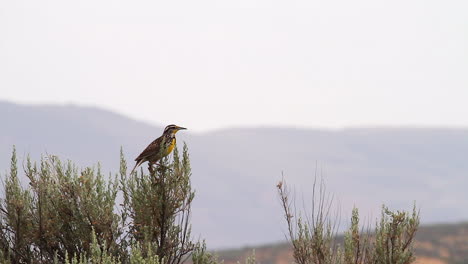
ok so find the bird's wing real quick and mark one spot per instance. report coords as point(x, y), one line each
point(152, 149)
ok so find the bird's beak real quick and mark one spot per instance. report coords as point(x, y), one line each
point(181, 128)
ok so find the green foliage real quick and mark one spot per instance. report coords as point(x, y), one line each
point(356, 245)
point(159, 206)
point(68, 205)
point(202, 256)
point(250, 259)
point(18, 216)
point(69, 215)
point(313, 240)
point(393, 237)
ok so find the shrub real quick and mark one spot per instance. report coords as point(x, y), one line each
point(314, 239)
point(67, 214)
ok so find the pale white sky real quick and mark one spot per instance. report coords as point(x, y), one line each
point(212, 64)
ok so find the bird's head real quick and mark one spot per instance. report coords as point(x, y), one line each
point(172, 129)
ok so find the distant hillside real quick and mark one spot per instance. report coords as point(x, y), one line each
point(235, 170)
point(85, 135)
point(435, 244)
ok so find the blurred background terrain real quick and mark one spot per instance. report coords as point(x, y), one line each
point(435, 244)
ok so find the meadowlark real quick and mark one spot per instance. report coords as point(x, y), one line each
point(159, 148)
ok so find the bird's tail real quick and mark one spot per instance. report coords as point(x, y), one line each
point(136, 165)
point(133, 169)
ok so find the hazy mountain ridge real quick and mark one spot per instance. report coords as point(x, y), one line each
point(68, 131)
point(235, 170)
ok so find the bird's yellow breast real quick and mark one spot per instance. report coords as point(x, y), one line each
point(170, 147)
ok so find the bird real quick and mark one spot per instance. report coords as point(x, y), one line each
point(159, 148)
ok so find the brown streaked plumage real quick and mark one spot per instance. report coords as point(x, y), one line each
point(160, 147)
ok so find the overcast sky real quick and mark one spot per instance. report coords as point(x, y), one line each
point(213, 64)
